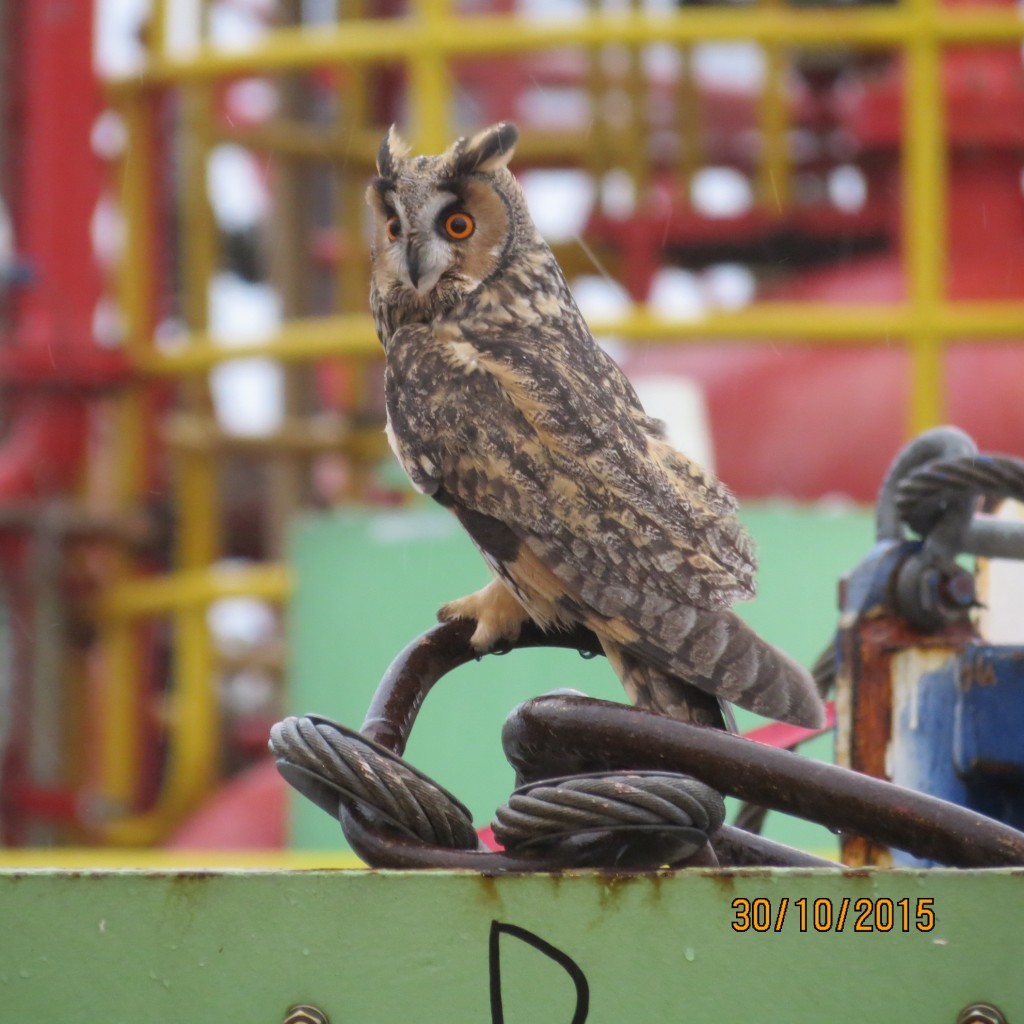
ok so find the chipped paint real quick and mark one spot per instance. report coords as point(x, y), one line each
point(876, 686)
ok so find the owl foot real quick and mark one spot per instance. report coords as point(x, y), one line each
point(499, 616)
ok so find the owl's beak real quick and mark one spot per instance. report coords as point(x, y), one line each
point(423, 266)
point(412, 264)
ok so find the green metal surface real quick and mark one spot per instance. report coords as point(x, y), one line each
point(371, 947)
point(367, 583)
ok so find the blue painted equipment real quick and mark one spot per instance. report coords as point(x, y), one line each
point(923, 698)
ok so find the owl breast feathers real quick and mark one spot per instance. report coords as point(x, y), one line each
point(503, 409)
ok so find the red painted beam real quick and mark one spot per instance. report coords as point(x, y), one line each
point(58, 177)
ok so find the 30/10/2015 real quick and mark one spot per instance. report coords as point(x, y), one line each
point(878, 914)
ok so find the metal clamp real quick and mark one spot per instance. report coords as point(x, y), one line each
point(932, 488)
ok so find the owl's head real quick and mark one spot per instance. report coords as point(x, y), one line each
point(442, 225)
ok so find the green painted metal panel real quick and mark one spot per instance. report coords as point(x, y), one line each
point(368, 582)
point(371, 947)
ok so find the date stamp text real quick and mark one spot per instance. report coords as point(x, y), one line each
point(878, 914)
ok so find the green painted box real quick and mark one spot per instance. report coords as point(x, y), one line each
point(436, 948)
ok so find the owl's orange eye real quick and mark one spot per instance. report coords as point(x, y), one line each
point(459, 226)
point(393, 227)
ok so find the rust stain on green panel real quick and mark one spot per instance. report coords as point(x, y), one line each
point(369, 947)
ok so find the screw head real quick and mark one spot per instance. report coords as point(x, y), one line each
point(958, 589)
point(304, 1013)
point(980, 1013)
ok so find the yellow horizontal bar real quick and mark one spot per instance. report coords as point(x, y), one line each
point(193, 588)
point(359, 148)
point(302, 435)
point(303, 340)
point(394, 39)
point(978, 320)
point(299, 340)
point(978, 24)
point(107, 858)
point(813, 323)
point(788, 322)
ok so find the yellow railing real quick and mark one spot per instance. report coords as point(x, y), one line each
point(433, 32)
point(424, 43)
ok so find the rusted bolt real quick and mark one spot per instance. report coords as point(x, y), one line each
point(980, 1013)
point(958, 590)
point(306, 1014)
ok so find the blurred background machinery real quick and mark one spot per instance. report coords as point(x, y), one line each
point(812, 213)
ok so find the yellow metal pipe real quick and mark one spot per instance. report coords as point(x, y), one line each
point(358, 148)
point(789, 322)
point(980, 321)
point(196, 497)
point(193, 739)
point(350, 334)
point(689, 121)
point(597, 155)
point(194, 719)
point(118, 693)
point(192, 588)
point(198, 229)
point(193, 722)
point(156, 29)
point(635, 155)
point(197, 501)
point(119, 749)
point(924, 219)
point(773, 164)
point(135, 287)
point(976, 24)
point(396, 39)
point(429, 83)
point(296, 436)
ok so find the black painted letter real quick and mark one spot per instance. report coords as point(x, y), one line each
point(565, 962)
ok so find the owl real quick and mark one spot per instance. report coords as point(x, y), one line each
point(503, 409)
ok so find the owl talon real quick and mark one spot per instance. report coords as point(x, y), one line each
point(486, 641)
point(498, 615)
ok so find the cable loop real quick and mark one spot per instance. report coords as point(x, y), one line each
point(350, 768)
point(924, 492)
point(615, 800)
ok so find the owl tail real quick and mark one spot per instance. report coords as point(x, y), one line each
point(651, 688)
point(721, 657)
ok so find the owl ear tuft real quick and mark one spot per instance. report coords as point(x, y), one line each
point(392, 149)
point(487, 150)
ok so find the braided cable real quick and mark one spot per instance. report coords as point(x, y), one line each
point(926, 489)
point(555, 807)
point(372, 776)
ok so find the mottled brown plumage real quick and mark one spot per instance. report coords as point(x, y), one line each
point(503, 409)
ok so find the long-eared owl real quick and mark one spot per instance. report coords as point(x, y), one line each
point(503, 409)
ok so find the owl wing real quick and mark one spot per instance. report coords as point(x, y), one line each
point(544, 451)
point(552, 468)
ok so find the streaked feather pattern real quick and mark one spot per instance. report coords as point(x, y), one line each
point(504, 409)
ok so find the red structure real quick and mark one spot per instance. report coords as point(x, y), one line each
point(828, 421)
point(50, 365)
